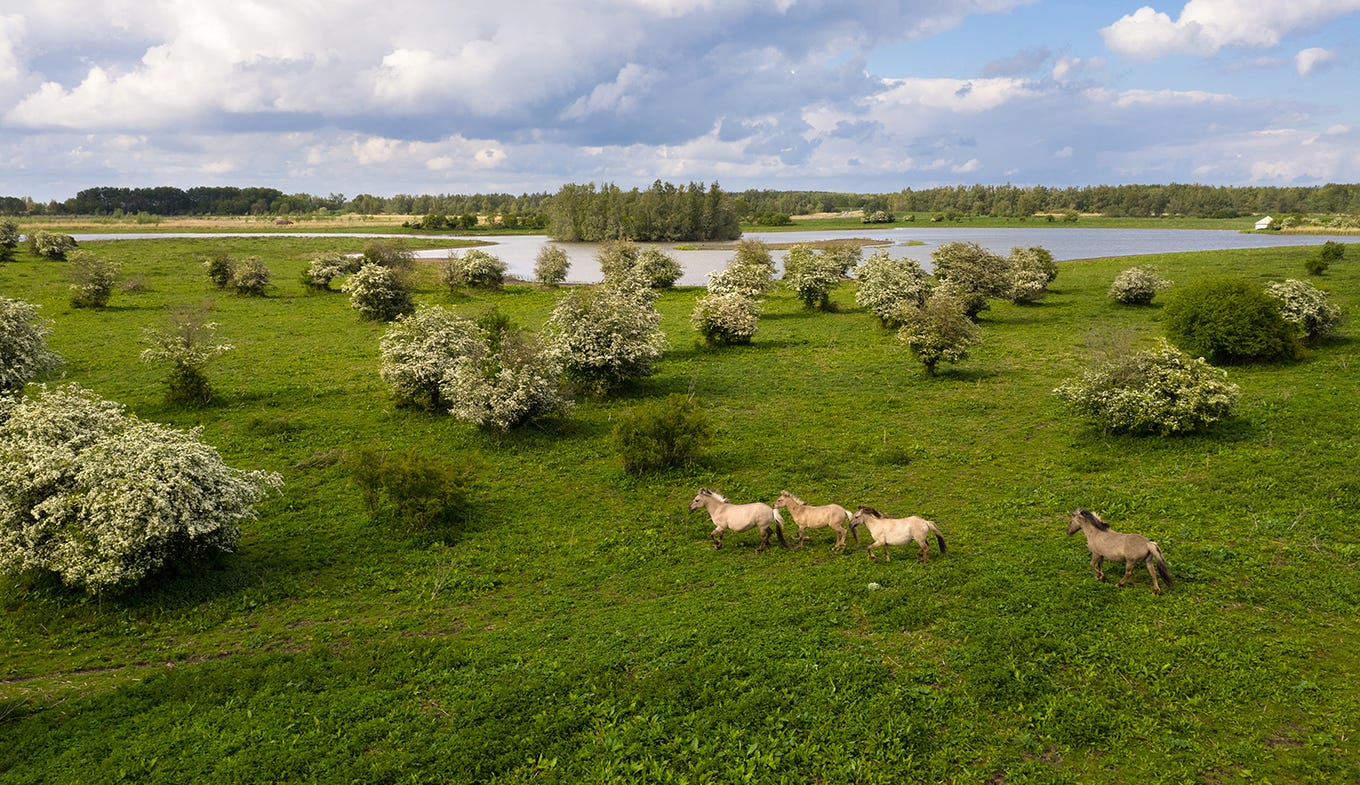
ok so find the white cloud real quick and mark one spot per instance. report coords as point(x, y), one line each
point(1313, 59)
point(1206, 26)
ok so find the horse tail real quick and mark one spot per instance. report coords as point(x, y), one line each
point(779, 531)
point(1163, 569)
point(939, 538)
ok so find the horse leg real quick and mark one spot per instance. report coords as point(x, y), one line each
point(886, 556)
point(1096, 562)
point(803, 539)
point(1156, 587)
point(717, 537)
point(840, 541)
point(924, 546)
point(764, 539)
point(870, 550)
point(1128, 570)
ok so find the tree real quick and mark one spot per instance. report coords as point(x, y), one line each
point(103, 499)
point(378, 293)
point(186, 346)
point(812, 276)
point(1137, 285)
point(974, 274)
point(92, 279)
point(1229, 320)
point(1163, 391)
point(23, 346)
point(939, 330)
point(551, 265)
point(606, 335)
point(886, 284)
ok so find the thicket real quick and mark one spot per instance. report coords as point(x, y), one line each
point(412, 490)
point(667, 432)
point(1227, 320)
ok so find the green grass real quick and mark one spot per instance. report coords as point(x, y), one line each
point(578, 626)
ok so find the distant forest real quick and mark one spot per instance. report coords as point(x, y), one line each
point(665, 211)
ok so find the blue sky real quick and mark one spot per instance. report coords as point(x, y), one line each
point(412, 96)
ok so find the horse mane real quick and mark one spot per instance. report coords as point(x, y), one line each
point(1094, 519)
point(795, 498)
point(714, 494)
point(866, 509)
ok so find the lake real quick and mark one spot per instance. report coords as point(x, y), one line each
point(1065, 243)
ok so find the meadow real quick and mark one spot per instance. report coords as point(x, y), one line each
point(578, 626)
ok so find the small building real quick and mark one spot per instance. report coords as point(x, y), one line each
point(1266, 223)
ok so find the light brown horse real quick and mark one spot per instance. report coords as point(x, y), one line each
point(821, 516)
point(738, 517)
point(896, 531)
point(1105, 543)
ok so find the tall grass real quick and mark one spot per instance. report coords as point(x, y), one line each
point(578, 626)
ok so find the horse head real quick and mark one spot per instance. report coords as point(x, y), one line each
point(1083, 516)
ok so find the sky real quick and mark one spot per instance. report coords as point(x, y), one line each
point(869, 96)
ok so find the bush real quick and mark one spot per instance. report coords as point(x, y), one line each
point(974, 274)
point(220, 268)
point(617, 259)
point(724, 319)
point(1331, 251)
point(326, 267)
point(750, 273)
point(475, 269)
point(551, 265)
point(378, 294)
point(887, 284)
point(1306, 307)
point(661, 434)
point(606, 335)
point(1161, 391)
point(939, 330)
point(419, 491)
point(514, 381)
point(386, 253)
point(92, 280)
point(250, 277)
point(1031, 271)
point(1229, 320)
point(657, 268)
point(812, 276)
point(1137, 285)
point(103, 499)
point(9, 239)
point(23, 345)
point(185, 346)
point(51, 245)
point(419, 348)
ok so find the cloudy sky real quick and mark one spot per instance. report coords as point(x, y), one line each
point(418, 96)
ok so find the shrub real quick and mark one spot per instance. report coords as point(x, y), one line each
point(386, 253)
point(724, 319)
point(886, 284)
point(657, 268)
point(517, 379)
point(606, 335)
point(974, 274)
point(1228, 320)
point(419, 348)
point(617, 259)
point(878, 217)
point(419, 491)
point(1161, 391)
point(378, 294)
point(23, 345)
point(185, 346)
point(750, 272)
point(250, 277)
point(51, 245)
point(812, 276)
point(326, 267)
point(103, 499)
point(551, 265)
point(1331, 251)
point(660, 434)
point(1306, 307)
point(475, 269)
point(938, 330)
point(1137, 285)
point(220, 268)
point(92, 279)
point(9, 238)
point(1031, 271)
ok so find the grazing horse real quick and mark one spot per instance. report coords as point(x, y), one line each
point(820, 516)
point(738, 517)
point(1105, 543)
point(896, 531)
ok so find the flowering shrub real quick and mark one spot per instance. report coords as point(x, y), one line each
point(940, 329)
point(185, 346)
point(378, 294)
point(1307, 307)
point(23, 345)
point(220, 268)
point(1031, 271)
point(617, 259)
point(660, 434)
point(518, 382)
point(551, 265)
point(9, 238)
point(812, 275)
point(476, 269)
point(1137, 285)
point(606, 335)
point(417, 350)
point(103, 499)
point(92, 280)
point(1161, 391)
point(974, 274)
point(886, 284)
point(326, 267)
point(657, 268)
point(726, 318)
point(250, 276)
point(52, 245)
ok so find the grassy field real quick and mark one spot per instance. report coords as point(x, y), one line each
point(579, 627)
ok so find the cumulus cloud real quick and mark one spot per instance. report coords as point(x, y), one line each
point(1313, 59)
point(1206, 26)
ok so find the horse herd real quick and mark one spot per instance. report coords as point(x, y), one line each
point(1103, 542)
